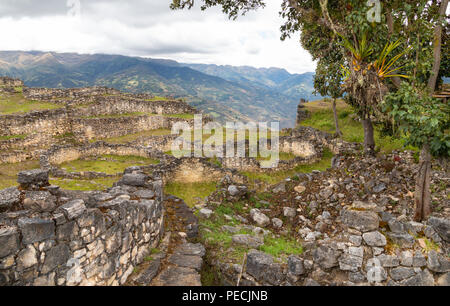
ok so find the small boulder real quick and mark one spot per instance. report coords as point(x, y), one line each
point(33, 178)
point(260, 218)
point(247, 240)
point(374, 239)
point(277, 223)
point(205, 213)
point(8, 198)
point(364, 221)
point(289, 212)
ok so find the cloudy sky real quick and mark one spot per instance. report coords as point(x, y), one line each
point(149, 28)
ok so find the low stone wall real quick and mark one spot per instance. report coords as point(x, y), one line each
point(45, 94)
point(59, 154)
point(10, 82)
point(46, 122)
point(53, 237)
point(118, 105)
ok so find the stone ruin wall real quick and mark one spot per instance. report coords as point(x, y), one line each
point(45, 94)
point(92, 238)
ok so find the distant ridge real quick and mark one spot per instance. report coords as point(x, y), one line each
point(224, 92)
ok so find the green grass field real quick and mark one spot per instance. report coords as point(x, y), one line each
point(8, 172)
point(322, 119)
point(133, 137)
point(189, 192)
point(16, 103)
point(109, 164)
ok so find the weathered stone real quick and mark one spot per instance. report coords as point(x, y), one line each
point(9, 241)
point(363, 205)
point(74, 209)
point(36, 177)
point(40, 201)
point(261, 266)
point(277, 223)
point(289, 212)
point(388, 260)
point(149, 273)
point(260, 218)
point(187, 261)
point(280, 188)
point(67, 231)
point(45, 280)
point(444, 280)
point(27, 258)
point(205, 213)
point(233, 190)
point(300, 189)
point(178, 276)
point(379, 188)
point(134, 179)
point(401, 273)
point(326, 256)
point(376, 239)
point(355, 240)
point(352, 260)
point(437, 263)
point(419, 260)
point(295, 265)
point(396, 226)
point(35, 230)
point(432, 234)
point(56, 256)
point(247, 240)
point(356, 277)
point(404, 240)
point(364, 221)
point(145, 194)
point(230, 229)
point(423, 278)
point(441, 226)
point(192, 249)
point(8, 198)
point(406, 258)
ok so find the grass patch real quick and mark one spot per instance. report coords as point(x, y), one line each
point(322, 119)
point(133, 137)
point(84, 185)
point(189, 192)
point(157, 98)
point(109, 164)
point(16, 103)
point(8, 172)
point(180, 116)
point(281, 247)
point(2, 138)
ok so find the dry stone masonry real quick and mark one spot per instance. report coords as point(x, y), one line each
point(53, 237)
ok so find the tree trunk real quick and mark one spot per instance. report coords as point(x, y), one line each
point(422, 196)
point(369, 140)
point(336, 122)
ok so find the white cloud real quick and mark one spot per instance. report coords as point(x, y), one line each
point(149, 28)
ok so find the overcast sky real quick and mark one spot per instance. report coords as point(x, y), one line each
point(149, 28)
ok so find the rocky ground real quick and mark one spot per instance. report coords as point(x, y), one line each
point(353, 223)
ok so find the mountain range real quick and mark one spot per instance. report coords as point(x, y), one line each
point(224, 92)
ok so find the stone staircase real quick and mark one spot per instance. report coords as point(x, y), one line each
point(178, 262)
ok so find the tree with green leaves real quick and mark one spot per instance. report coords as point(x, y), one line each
point(328, 81)
point(405, 36)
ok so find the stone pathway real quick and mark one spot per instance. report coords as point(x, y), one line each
point(178, 262)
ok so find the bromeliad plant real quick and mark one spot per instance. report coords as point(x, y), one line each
point(385, 68)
